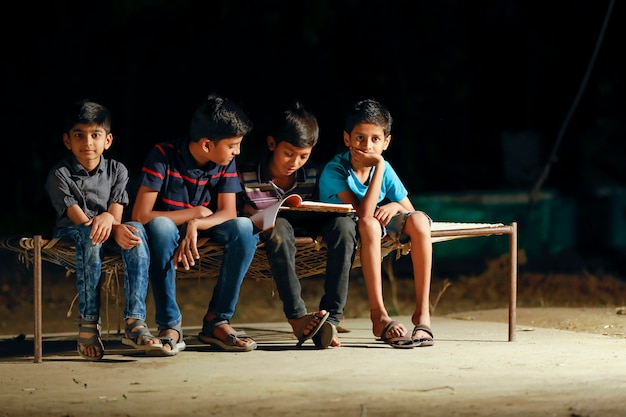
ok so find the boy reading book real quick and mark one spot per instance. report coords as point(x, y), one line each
point(268, 182)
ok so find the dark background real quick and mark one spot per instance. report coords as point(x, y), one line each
point(479, 90)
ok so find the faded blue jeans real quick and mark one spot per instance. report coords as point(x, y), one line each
point(89, 271)
point(340, 235)
point(239, 241)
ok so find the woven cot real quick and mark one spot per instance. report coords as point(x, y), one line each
point(310, 261)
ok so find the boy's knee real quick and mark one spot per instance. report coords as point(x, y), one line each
point(160, 226)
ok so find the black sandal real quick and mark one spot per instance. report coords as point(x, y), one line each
point(175, 346)
point(207, 336)
point(92, 341)
point(139, 337)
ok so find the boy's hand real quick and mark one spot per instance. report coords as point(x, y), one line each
point(125, 237)
point(187, 251)
point(385, 213)
point(364, 159)
point(101, 226)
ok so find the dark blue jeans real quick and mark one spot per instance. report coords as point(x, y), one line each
point(239, 243)
point(340, 235)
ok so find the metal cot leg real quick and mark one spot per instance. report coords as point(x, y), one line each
point(513, 281)
point(37, 284)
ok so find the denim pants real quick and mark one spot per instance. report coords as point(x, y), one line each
point(340, 235)
point(239, 241)
point(89, 271)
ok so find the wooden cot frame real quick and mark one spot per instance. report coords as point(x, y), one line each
point(310, 261)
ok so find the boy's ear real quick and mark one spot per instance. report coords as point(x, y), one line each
point(66, 141)
point(387, 141)
point(108, 141)
point(346, 138)
point(271, 143)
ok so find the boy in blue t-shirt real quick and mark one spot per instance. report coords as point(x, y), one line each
point(363, 178)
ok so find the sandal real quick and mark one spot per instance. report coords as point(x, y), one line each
point(422, 341)
point(402, 342)
point(92, 341)
point(324, 337)
point(308, 318)
point(175, 345)
point(207, 336)
point(138, 338)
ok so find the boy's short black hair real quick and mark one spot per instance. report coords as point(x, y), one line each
point(369, 111)
point(87, 112)
point(219, 118)
point(297, 126)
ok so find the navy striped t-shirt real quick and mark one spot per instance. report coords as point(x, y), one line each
point(171, 170)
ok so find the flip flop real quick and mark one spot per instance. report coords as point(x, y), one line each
point(423, 341)
point(310, 317)
point(402, 342)
point(324, 337)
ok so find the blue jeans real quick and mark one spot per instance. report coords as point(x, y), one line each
point(239, 243)
point(340, 235)
point(89, 271)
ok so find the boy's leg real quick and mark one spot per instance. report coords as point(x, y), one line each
point(417, 227)
point(281, 256)
point(136, 262)
point(240, 242)
point(162, 239)
point(370, 232)
point(340, 236)
point(88, 267)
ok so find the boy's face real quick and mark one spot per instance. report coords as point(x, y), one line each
point(367, 138)
point(87, 142)
point(287, 158)
point(223, 151)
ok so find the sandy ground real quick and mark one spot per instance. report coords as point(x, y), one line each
point(569, 357)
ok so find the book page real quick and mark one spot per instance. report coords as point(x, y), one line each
point(264, 219)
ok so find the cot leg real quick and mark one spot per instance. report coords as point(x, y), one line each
point(513, 281)
point(37, 283)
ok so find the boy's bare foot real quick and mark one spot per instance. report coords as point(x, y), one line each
point(380, 321)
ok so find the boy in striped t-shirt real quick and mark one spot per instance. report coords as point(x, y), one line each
point(279, 174)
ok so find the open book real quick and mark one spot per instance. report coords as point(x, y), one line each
point(293, 205)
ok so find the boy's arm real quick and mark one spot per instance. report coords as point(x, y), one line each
point(226, 210)
point(367, 206)
point(101, 225)
point(143, 209)
point(187, 250)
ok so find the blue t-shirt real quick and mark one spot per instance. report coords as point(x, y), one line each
point(171, 170)
point(338, 176)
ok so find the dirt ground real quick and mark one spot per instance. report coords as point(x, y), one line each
point(583, 301)
point(468, 373)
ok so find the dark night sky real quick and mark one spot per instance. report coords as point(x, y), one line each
point(478, 89)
